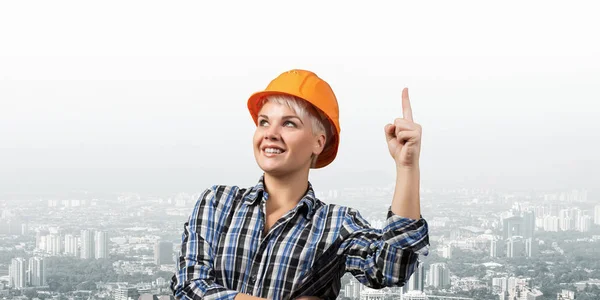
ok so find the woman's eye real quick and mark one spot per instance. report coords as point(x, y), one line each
point(286, 123)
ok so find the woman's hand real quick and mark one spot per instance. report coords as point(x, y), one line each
point(404, 137)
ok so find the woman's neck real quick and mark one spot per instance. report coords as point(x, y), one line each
point(286, 191)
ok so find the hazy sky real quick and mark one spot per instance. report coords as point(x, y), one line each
point(148, 96)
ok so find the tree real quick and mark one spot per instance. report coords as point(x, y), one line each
point(30, 293)
point(87, 285)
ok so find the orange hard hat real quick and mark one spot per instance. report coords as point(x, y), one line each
point(307, 86)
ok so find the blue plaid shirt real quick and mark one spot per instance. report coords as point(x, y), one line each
point(224, 250)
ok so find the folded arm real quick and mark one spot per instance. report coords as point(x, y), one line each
point(195, 277)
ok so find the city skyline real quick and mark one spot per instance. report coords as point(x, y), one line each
point(500, 233)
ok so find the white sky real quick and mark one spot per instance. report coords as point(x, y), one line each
point(151, 96)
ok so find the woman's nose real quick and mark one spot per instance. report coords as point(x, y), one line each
point(272, 133)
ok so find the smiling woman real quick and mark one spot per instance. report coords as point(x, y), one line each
point(277, 240)
point(296, 118)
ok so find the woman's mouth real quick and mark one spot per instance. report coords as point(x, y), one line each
point(272, 151)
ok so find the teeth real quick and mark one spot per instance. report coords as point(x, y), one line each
point(272, 150)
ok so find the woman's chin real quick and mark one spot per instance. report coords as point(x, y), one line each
point(272, 169)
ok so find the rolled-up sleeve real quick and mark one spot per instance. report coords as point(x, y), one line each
point(383, 257)
point(195, 277)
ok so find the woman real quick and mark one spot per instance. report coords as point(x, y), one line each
point(276, 240)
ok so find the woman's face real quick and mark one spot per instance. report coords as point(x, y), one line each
point(283, 142)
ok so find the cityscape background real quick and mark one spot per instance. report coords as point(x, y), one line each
point(485, 244)
point(114, 116)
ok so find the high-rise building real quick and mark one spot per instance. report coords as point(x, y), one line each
point(101, 247)
point(12, 226)
point(497, 248)
point(565, 295)
point(585, 222)
point(416, 282)
point(87, 244)
point(163, 253)
point(539, 222)
point(446, 251)
point(71, 243)
point(501, 284)
point(540, 211)
point(126, 293)
point(551, 223)
point(524, 292)
point(531, 247)
point(53, 244)
point(528, 224)
point(353, 288)
point(439, 275)
point(553, 210)
point(597, 214)
point(512, 226)
point(515, 247)
point(565, 220)
point(575, 214)
point(40, 239)
point(512, 282)
point(17, 273)
point(565, 224)
point(37, 271)
point(576, 196)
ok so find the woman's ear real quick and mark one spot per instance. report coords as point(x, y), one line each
point(319, 144)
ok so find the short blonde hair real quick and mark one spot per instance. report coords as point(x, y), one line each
point(319, 122)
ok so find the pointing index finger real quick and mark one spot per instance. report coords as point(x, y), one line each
point(406, 109)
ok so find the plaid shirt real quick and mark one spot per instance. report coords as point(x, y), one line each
point(224, 250)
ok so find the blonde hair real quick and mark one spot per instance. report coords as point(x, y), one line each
point(320, 123)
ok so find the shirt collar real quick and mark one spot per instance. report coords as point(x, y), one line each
point(258, 193)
